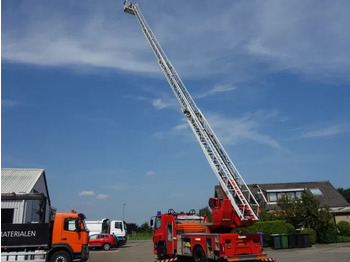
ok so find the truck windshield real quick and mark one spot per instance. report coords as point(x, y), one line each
point(158, 223)
point(118, 225)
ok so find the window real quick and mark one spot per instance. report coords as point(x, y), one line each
point(272, 197)
point(94, 237)
point(298, 195)
point(118, 225)
point(71, 224)
point(7, 215)
point(316, 191)
point(158, 222)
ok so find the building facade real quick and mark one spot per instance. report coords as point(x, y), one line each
point(24, 196)
point(269, 194)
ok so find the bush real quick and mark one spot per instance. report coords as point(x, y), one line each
point(312, 235)
point(342, 239)
point(327, 234)
point(344, 228)
point(270, 227)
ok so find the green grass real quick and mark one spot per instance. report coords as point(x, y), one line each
point(343, 239)
point(140, 236)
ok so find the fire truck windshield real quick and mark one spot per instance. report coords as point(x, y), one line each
point(158, 223)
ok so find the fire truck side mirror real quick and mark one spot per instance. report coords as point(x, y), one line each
point(151, 222)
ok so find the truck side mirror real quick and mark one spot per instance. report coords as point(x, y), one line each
point(151, 222)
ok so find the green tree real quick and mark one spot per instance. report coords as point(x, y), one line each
point(288, 210)
point(145, 228)
point(266, 215)
point(205, 211)
point(345, 193)
point(308, 213)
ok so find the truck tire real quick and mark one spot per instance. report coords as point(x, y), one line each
point(60, 256)
point(199, 255)
point(106, 246)
point(162, 252)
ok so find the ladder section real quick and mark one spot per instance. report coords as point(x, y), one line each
point(242, 200)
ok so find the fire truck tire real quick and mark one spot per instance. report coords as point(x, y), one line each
point(162, 252)
point(106, 246)
point(199, 255)
point(60, 256)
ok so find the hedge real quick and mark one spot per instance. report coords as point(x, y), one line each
point(344, 228)
point(268, 228)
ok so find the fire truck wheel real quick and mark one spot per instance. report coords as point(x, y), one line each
point(106, 246)
point(60, 256)
point(162, 252)
point(199, 255)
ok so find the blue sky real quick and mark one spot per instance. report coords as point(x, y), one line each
point(83, 98)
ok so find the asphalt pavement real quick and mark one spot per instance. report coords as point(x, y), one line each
point(141, 251)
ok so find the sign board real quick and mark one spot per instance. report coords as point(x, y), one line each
point(15, 235)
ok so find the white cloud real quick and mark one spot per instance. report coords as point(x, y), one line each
point(150, 173)
point(86, 193)
point(232, 131)
point(217, 89)
point(300, 36)
point(159, 103)
point(9, 103)
point(235, 131)
point(102, 196)
point(182, 126)
point(328, 131)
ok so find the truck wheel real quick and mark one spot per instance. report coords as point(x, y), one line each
point(199, 255)
point(60, 256)
point(162, 252)
point(106, 246)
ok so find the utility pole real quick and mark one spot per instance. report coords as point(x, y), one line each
point(124, 211)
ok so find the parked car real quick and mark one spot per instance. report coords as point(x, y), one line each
point(105, 241)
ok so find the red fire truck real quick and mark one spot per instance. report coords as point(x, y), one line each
point(179, 235)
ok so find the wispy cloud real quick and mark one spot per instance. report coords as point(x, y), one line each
point(273, 34)
point(102, 196)
point(232, 131)
point(150, 173)
point(87, 193)
point(328, 131)
point(158, 103)
point(9, 103)
point(217, 89)
point(235, 131)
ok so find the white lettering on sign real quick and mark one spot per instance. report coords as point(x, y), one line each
point(28, 233)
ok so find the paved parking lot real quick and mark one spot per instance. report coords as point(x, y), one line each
point(141, 251)
point(339, 252)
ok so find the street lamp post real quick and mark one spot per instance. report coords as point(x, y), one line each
point(124, 211)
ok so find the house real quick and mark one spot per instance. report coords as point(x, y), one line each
point(24, 196)
point(268, 195)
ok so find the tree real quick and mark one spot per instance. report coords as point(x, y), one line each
point(205, 211)
point(345, 193)
point(132, 227)
point(308, 213)
point(145, 228)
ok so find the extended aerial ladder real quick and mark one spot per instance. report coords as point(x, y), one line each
point(236, 190)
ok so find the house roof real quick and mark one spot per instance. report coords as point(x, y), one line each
point(16, 180)
point(325, 191)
